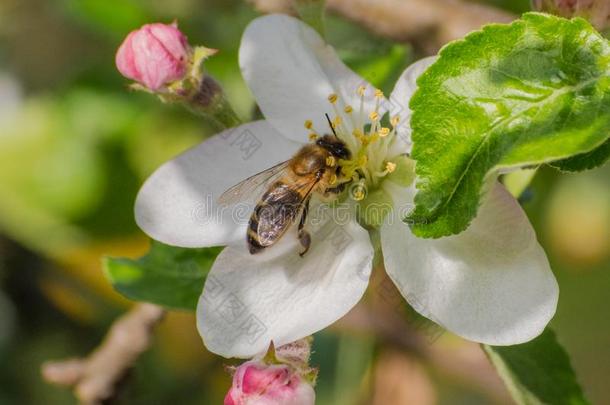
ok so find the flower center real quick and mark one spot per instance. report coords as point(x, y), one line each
point(367, 139)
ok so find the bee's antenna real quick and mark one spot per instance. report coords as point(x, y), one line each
point(330, 124)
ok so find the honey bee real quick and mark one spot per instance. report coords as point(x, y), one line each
point(289, 187)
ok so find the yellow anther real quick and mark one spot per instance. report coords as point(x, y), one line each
point(332, 180)
point(313, 137)
point(384, 131)
point(374, 116)
point(337, 122)
point(308, 124)
point(378, 93)
point(348, 109)
point(333, 98)
point(395, 120)
point(390, 166)
point(357, 134)
point(331, 161)
point(361, 90)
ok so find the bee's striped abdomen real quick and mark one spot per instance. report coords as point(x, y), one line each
point(272, 216)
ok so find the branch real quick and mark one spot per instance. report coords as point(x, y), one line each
point(95, 378)
point(429, 24)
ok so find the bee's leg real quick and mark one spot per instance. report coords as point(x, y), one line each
point(303, 235)
point(335, 190)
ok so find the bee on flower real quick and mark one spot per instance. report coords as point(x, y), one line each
point(334, 156)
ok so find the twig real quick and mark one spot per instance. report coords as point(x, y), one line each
point(429, 24)
point(94, 379)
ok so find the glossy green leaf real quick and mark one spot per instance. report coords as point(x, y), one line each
point(169, 276)
point(508, 96)
point(537, 372)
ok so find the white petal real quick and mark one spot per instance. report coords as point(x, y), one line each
point(399, 102)
point(291, 71)
point(177, 204)
point(491, 284)
point(250, 300)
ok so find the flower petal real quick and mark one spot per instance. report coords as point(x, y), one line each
point(291, 71)
point(250, 300)
point(399, 103)
point(491, 284)
point(177, 204)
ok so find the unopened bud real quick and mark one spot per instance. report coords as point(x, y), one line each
point(160, 60)
point(281, 377)
point(154, 55)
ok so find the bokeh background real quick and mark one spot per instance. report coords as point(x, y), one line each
point(74, 147)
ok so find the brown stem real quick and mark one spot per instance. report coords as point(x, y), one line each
point(428, 23)
point(94, 379)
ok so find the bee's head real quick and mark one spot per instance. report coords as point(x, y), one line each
point(335, 146)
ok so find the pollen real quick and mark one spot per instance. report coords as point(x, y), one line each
point(332, 180)
point(313, 137)
point(390, 166)
point(378, 93)
point(333, 98)
point(395, 120)
point(374, 116)
point(308, 124)
point(331, 161)
point(384, 131)
point(361, 90)
point(348, 109)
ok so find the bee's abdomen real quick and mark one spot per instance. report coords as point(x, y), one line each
point(272, 216)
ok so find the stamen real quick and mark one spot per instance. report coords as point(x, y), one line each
point(378, 93)
point(313, 136)
point(337, 121)
point(359, 192)
point(348, 109)
point(361, 90)
point(374, 116)
point(333, 98)
point(395, 120)
point(390, 167)
point(384, 131)
point(308, 124)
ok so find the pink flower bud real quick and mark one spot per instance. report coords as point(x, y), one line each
point(258, 383)
point(154, 55)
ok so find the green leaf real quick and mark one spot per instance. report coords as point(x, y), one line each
point(169, 276)
point(585, 161)
point(537, 372)
point(508, 96)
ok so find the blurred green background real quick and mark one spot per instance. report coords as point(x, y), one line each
point(75, 145)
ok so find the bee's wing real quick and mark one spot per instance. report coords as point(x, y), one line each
point(282, 206)
point(252, 184)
